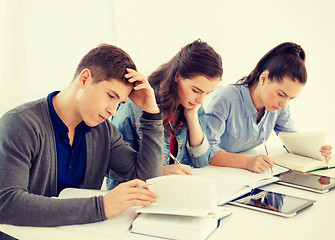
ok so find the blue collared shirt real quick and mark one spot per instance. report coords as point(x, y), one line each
point(71, 160)
point(232, 121)
point(127, 120)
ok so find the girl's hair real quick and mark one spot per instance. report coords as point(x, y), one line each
point(106, 62)
point(195, 59)
point(285, 60)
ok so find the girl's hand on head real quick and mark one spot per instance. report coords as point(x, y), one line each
point(143, 94)
point(259, 163)
point(326, 151)
point(126, 195)
point(177, 169)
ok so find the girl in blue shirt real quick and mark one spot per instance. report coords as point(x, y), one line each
point(181, 86)
point(240, 116)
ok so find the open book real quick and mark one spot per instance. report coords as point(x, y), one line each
point(303, 151)
point(182, 195)
point(179, 227)
point(232, 183)
point(115, 226)
point(186, 207)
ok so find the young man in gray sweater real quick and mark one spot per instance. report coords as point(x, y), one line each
point(64, 140)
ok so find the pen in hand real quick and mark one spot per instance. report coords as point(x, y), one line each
point(174, 159)
point(266, 150)
point(143, 185)
point(182, 169)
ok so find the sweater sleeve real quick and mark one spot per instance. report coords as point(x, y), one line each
point(28, 181)
point(148, 160)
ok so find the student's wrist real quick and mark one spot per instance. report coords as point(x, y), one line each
point(153, 110)
point(246, 161)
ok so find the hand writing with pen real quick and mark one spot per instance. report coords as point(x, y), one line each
point(178, 168)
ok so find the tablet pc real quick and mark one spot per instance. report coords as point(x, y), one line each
point(4, 236)
point(273, 203)
point(307, 181)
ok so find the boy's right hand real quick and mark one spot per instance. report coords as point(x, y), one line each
point(126, 195)
point(259, 163)
point(143, 94)
point(178, 169)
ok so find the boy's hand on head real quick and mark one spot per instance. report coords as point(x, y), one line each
point(143, 94)
point(127, 195)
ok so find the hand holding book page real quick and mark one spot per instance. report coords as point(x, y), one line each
point(304, 151)
point(306, 144)
point(232, 183)
point(115, 226)
point(182, 195)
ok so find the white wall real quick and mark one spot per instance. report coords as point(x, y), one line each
point(56, 34)
point(242, 32)
point(43, 42)
point(11, 55)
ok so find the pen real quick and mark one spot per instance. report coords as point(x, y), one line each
point(143, 185)
point(174, 159)
point(266, 150)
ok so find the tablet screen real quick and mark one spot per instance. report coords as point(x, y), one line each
point(272, 202)
point(308, 180)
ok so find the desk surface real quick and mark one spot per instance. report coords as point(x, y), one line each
point(315, 222)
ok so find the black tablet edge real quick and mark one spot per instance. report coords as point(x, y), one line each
point(294, 211)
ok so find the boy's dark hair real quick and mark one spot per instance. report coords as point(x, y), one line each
point(106, 62)
point(286, 59)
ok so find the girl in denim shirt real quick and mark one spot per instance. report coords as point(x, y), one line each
point(181, 85)
point(240, 116)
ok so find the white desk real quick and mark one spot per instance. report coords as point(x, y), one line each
point(316, 222)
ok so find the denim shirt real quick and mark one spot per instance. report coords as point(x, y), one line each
point(127, 122)
point(232, 121)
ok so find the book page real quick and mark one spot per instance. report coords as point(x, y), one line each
point(182, 195)
point(297, 162)
point(234, 182)
point(114, 226)
point(179, 227)
point(173, 226)
point(305, 143)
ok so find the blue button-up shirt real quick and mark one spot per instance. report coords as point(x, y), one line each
point(71, 160)
point(232, 121)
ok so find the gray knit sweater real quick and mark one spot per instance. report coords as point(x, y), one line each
point(28, 177)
